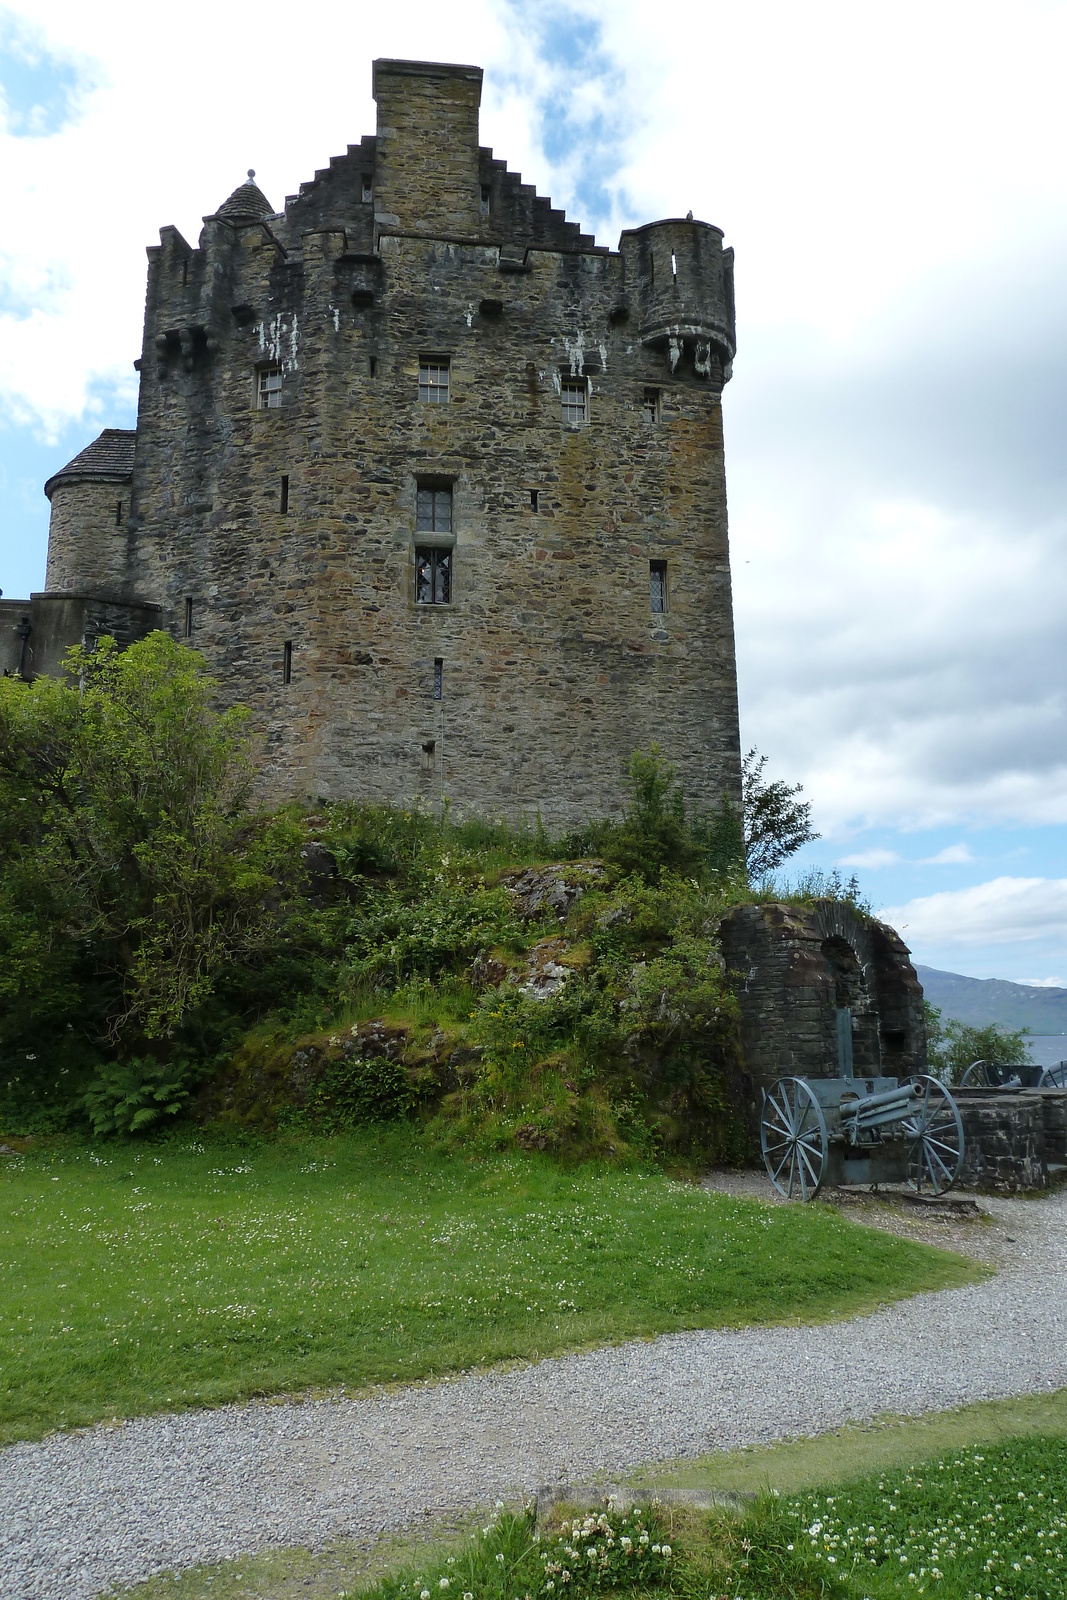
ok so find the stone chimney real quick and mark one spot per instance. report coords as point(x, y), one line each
point(426, 164)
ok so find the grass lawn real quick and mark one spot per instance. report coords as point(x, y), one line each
point(157, 1277)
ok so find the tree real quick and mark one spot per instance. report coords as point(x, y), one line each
point(132, 872)
point(951, 1046)
point(776, 821)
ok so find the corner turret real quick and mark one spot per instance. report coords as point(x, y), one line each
point(90, 499)
point(680, 284)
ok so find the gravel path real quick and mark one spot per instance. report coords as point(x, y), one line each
point(113, 1505)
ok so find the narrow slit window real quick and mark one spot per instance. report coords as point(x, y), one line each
point(283, 503)
point(188, 619)
point(533, 499)
point(374, 366)
point(674, 265)
point(433, 576)
point(485, 199)
point(433, 382)
point(368, 188)
point(651, 270)
point(118, 513)
point(269, 389)
point(650, 406)
point(438, 678)
point(287, 661)
point(657, 583)
point(574, 396)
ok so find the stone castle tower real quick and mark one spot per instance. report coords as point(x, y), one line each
point(433, 481)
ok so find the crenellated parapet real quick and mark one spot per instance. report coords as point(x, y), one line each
point(679, 284)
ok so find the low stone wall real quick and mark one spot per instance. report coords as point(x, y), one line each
point(1012, 1140)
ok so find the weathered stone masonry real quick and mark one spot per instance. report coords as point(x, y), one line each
point(282, 537)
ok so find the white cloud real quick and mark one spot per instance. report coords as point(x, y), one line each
point(870, 860)
point(953, 855)
point(1002, 911)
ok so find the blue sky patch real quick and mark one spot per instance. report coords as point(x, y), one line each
point(584, 114)
point(40, 91)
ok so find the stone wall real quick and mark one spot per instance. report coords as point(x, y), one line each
point(36, 634)
point(796, 966)
point(282, 541)
point(1012, 1140)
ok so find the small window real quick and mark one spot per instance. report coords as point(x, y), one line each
point(433, 580)
point(433, 382)
point(118, 513)
point(433, 510)
point(368, 188)
point(574, 394)
point(287, 661)
point(374, 366)
point(674, 265)
point(283, 502)
point(533, 499)
point(650, 406)
point(270, 388)
point(188, 619)
point(485, 199)
point(657, 583)
point(438, 678)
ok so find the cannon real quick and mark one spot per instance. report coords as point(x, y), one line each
point(1014, 1075)
point(860, 1130)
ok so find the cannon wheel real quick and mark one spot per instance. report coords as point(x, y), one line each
point(1054, 1077)
point(794, 1139)
point(978, 1076)
point(936, 1134)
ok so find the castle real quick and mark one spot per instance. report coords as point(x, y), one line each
point(433, 481)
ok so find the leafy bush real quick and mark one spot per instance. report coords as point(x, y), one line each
point(395, 936)
point(129, 1096)
point(952, 1046)
point(353, 1093)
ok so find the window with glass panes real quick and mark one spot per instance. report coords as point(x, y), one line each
point(433, 563)
point(650, 405)
point(270, 388)
point(574, 397)
point(433, 509)
point(433, 382)
point(657, 583)
point(433, 576)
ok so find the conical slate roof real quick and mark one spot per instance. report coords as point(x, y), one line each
point(247, 203)
point(109, 457)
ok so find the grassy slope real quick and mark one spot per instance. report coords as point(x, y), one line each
point(173, 1276)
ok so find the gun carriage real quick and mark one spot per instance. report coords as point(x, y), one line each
point(850, 1129)
point(1014, 1075)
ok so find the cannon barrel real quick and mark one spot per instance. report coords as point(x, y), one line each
point(873, 1110)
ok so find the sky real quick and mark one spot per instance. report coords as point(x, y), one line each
point(893, 179)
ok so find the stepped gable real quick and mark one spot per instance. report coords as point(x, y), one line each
point(109, 457)
point(519, 215)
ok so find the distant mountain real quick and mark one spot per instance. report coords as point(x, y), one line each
point(980, 1001)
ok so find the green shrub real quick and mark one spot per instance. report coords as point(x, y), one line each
point(352, 1093)
point(951, 1046)
point(130, 1096)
